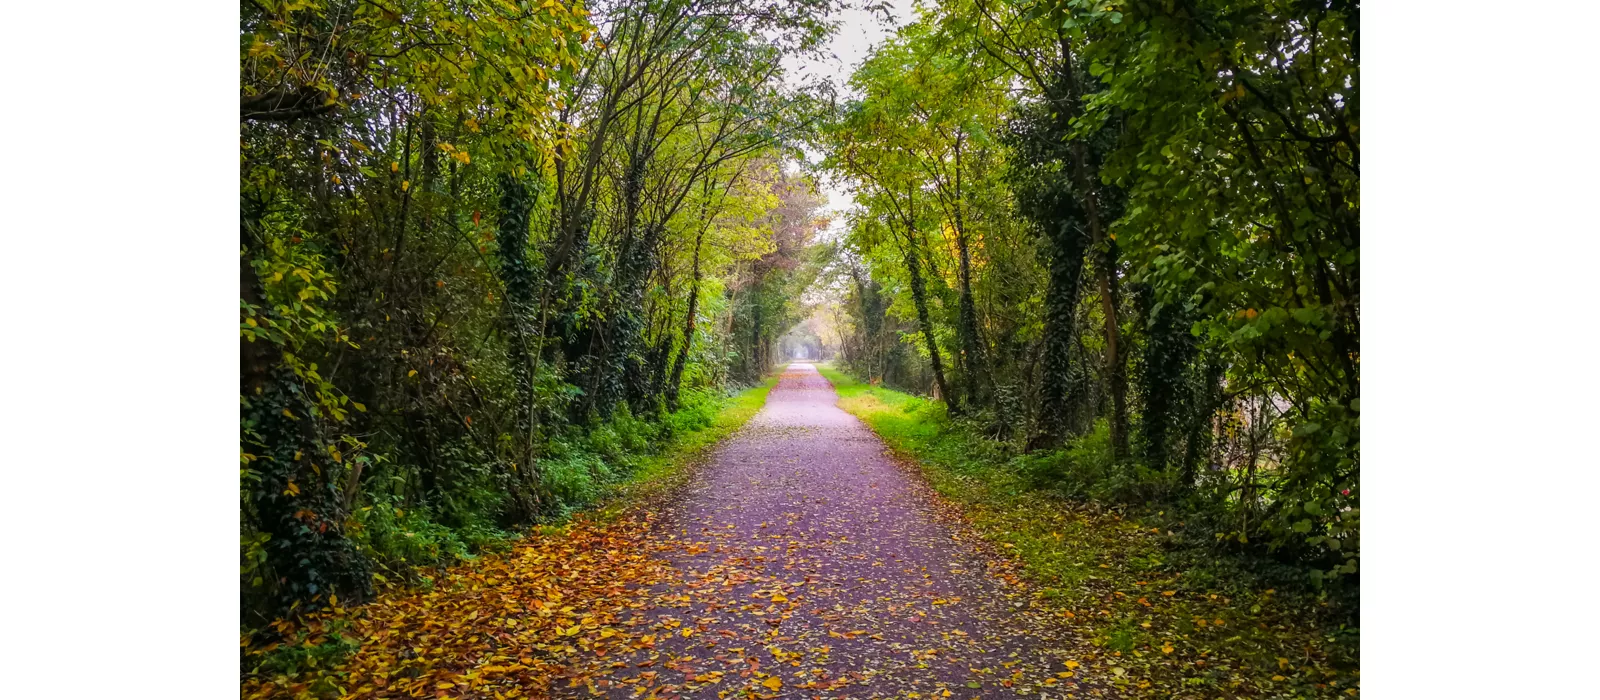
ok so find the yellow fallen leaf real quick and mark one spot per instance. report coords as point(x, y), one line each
point(779, 598)
point(773, 683)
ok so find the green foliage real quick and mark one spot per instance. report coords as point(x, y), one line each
point(1156, 252)
point(400, 539)
point(1240, 156)
point(467, 231)
point(580, 469)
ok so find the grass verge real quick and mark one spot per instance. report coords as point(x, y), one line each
point(1168, 618)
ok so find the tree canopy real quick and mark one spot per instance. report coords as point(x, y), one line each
point(1132, 225)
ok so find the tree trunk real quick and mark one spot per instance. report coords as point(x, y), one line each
point(1060, 317)
point(977, 369)
point(516, 207)
point(1105, 269)
point(919, 295)
point(676, 381)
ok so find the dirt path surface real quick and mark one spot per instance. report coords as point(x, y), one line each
point(803, 562)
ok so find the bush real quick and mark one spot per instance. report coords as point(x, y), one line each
point(571, 479)
point(1084, 469)
point(400, 539)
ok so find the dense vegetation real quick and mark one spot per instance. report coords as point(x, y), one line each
point(1122, 241)
point(492, 252)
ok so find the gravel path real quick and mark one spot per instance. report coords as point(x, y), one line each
point(802, 561)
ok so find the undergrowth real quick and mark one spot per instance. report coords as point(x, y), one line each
point(579, 468)
point(599, 474)
point(1173, 615)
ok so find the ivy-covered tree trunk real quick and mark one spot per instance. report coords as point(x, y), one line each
point(675, 381)
point(1165, 356)
point(627, 337)
point(521, 306)
point(757, 364)
point(1116, 363)
point(620, 372)
point(976, 374)
point(1085, 178)
point(1065, 266)
point(296, 500)
point(919, 296)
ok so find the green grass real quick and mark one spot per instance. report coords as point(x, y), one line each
point(1146, 598)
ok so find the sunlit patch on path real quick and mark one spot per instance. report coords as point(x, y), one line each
point(802, 561)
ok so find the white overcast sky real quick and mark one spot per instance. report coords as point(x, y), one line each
point(858, 33)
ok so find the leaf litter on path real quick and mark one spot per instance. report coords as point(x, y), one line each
point(799, 561)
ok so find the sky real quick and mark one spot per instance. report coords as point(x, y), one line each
point(858, 33)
